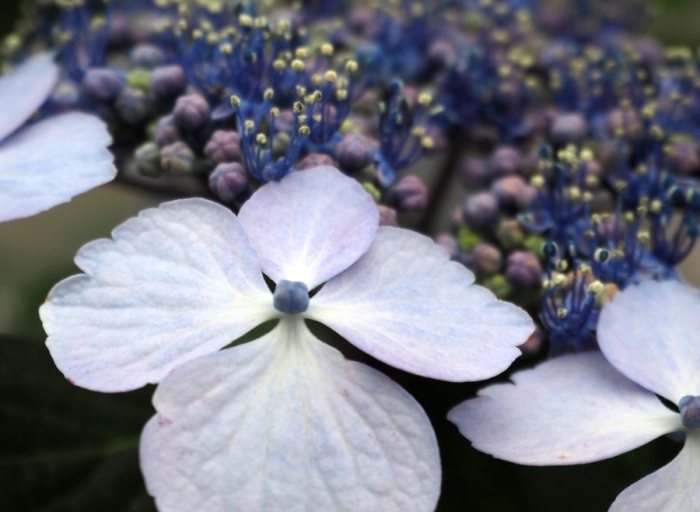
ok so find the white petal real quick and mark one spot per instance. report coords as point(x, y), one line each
point(50, 162)
point(573, 409)
point(23, 91)
point(673, 488)
point(177, 282)
point(286, 424)
point(651, 333)
point(310, 226)
point(406, 304)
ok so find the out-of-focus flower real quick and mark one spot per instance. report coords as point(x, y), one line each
point(591, 406)
point(51, 161)
point(284, 421)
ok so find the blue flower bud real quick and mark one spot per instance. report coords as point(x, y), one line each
point(102, 84)
point(505, 161)
point(223, 146)
point(355, 152)
point(191, 112)
point(229, 181)
point(509, 191)
point(523, 269)
point(148, 56)
point(168, 81)
point(291, 297)
point(480, 210)
point(177, 159)
point(132, 105)
point(690, 411)
point(410, 194)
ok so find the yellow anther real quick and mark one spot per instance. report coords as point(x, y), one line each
point(298, 107)
point(304, 131)
point(596, 287)
point(297, 65)
point(261, 139)
point(327, 49)
point(562, 313)
point(235, 101)
point(330, 76)
point(249, 125)
point(351, 67)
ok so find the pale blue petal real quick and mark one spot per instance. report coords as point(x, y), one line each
point(177, 282)
point(51, 162)
point(650, 333)
point(405, 303)
point(286, 423)
point(569, 410)
point(24, 90)
point(310, 226)
point(673, 488)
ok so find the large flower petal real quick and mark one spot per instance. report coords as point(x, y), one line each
point(177, 282)
point(310, 226)
point(673, 488)
point(406, 304)
point(23, 91)
point(651, 334)
point(573, 409)
point(51, 162)
point(286, 423)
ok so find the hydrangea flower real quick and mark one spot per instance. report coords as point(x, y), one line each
point(284, 422)
point(591, 406)
point(51, 161)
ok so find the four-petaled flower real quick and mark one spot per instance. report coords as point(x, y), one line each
point(591, 406)
point(51, 161)
point(284, 422)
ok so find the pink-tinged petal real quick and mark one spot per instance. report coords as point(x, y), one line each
point(310, 226)
point(175, 283)
point(51, 162)
point(673, 488)
point(570, 410)
point(24, 90)
point(651, 333)
point(287, 423)
point(405, 303)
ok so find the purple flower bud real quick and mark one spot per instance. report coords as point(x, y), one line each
point(314, 160)
point(147, 56)
point(223, 146)
point(168, 81)
point(622, 121)
point(291, 297)
point(523, 269)
point(166, 132)
point(441, 52)
point(102, 84)
point(447, 242)
point(486, 259)
point(568, 128)
point(132, 105)
point(191, 112)
point(684, 157)
point(480, 210)
point(177, 159)
point(505, 161)
point(475, 173)
point(229, 181)
point(410, 194)
point(387, 216)
point(355, 152)
point(508, 190)
point(509, 234)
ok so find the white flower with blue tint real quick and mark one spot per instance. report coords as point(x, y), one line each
point(51, 161)
point(284, 422)
point(591, 406)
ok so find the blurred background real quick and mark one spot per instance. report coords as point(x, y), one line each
point(67, 449)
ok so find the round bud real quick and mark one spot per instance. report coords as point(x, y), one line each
point(480, 210)
point(447, 242)
point(475, 173)
point(410, 194)
point(168, 81)
point(102, 84)
point(147, 56)
point(166, 132)
point(568, 128)
point(191, 112)
point(229, 182)
point(689, 407)
point(486, 259)
point(354, 152)
point(508, 191)
point(223, 146)
point(291, 297)
point(523, 269)
point(314, 160)
point(505, 161)
point(177, 159)
point(147, 157)
point(132, 105)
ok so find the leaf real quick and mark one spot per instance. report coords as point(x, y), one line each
point(64, 448)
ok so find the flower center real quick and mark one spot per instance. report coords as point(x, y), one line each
point(291, 297)
point(690, 411)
